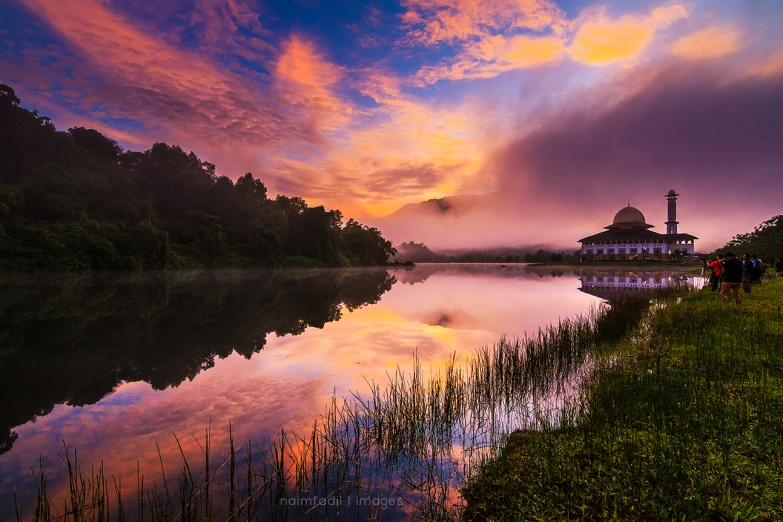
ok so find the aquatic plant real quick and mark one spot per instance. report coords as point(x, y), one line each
point(406, 444)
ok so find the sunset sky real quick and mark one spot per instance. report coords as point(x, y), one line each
point(562, 112)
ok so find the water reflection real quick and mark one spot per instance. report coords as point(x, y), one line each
point(610, 284)
point(74, 339)
point(114, 364)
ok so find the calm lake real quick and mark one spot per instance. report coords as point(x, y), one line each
point(115, 365)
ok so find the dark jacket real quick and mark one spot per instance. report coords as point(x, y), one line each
point(733, 270)
point(779, 266)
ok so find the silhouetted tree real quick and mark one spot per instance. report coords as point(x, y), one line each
point(76, 200)
point(766, 240)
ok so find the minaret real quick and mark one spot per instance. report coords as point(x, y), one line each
point(671, 224)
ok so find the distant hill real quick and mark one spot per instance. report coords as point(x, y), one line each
point(456, 225)
point(417, 253)
point(450, 205)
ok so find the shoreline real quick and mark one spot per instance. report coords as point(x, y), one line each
point(683, 423)
point(615, 264)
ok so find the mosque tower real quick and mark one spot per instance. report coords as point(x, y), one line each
point(671, 224)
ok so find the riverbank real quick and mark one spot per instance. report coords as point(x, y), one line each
point(682, 422)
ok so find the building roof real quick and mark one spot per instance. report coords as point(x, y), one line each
point(628, 235)
point(628, 214)
point(624, 235)
point(628, 217)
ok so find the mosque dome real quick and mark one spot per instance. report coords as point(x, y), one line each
point(672, 193)
point(628, 216)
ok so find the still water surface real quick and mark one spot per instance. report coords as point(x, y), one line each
point(115, 364)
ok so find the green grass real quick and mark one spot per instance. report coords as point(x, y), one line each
point(681, 422)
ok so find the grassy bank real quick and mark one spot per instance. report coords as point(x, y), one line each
point(682, 422)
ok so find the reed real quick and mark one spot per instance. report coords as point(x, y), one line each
point(416, 439)
point(682, 422)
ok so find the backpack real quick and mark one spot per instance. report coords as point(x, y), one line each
point(760, 267)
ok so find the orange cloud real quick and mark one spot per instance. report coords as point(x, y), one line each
point(443, 21)
point(708, 43)
point(600, 40)
point(400, 151)
point(409, 131)
point(600, 43)
point(596, 39)
point(145, 78)
point(239, 122)
point(306, 77)
point(301, 63)
point(769, 66)
point(106, 39)
point(494, 55)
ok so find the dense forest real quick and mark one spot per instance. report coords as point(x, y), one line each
point(766, 240)
point(76, 200)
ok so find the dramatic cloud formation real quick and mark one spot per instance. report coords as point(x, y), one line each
point(494, 55)
point(436, 21)
point(593, 38)
point(408, 179)
point(140, 76)
point(543, 110)
point(716, 139)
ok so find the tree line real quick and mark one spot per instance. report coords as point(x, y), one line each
point(766, 240)
point(77, 200)
point(420, 253)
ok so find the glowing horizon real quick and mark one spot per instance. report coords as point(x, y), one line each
point(564, 109)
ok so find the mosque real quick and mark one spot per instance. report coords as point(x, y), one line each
point(629, 238)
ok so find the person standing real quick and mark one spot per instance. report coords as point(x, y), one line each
point(779, 268)
point(717, 271)
point(733, 271)
point(747, 273)
point(758, 269)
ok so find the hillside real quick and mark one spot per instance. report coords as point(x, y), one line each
point(449, 205)
point(76, 200)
